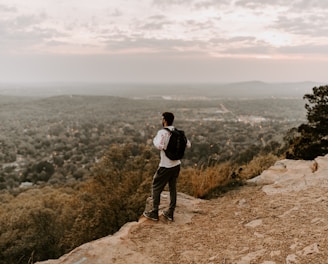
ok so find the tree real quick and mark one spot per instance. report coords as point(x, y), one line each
point(317, 111)
point(312, 138)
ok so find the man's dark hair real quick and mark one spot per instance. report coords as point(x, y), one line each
point(169, 118)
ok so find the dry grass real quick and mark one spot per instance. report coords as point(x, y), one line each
point(257, 165)
point(199, 182)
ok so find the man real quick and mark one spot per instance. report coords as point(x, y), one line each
point(167, 172)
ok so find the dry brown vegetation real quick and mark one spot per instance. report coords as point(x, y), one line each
point(212, 181)
point(47, 222)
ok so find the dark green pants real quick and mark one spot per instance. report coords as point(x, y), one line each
point(161, 178)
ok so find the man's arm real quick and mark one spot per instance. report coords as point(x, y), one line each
point(188, 144)
point(159, 139)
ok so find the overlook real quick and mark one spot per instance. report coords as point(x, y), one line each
point(76, 168)
point(278, 217)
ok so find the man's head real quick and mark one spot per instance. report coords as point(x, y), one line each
point(168, 118)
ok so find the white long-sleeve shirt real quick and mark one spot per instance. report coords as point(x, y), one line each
point(160, 142)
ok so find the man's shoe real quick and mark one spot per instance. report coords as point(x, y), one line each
point(168, 215)
point(152, 215)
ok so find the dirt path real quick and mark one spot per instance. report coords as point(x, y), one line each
point(243, 226)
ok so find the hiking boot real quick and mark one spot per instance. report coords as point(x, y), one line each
point(152, 215)
point(168, 215)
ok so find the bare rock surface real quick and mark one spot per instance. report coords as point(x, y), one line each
point(281, 216)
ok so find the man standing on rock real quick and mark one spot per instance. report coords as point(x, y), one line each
point(168, 170)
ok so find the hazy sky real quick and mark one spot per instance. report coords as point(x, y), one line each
point(163, 40)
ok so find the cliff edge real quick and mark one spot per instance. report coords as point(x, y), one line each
point(280, 216)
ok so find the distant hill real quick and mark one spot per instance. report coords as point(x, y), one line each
point(253, 89)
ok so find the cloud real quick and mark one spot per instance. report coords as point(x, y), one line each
point(194, 25)
point(172, 2)
point(155, 30)
point(115, 13)
point(305, 5)
point(23, 33)
point(7, 9)
point(260, 3)
point(157, 22)
point(129, 45)
point(312, 25)
point(25, 21)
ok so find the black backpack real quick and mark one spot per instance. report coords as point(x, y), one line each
point(177, 144)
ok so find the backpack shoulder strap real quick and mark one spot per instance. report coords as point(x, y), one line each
point(168, 130)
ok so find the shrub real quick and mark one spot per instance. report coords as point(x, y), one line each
point(312, 138)
point(34, 223)
point(115, 195)
point(199, 182)
point(257, 165)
